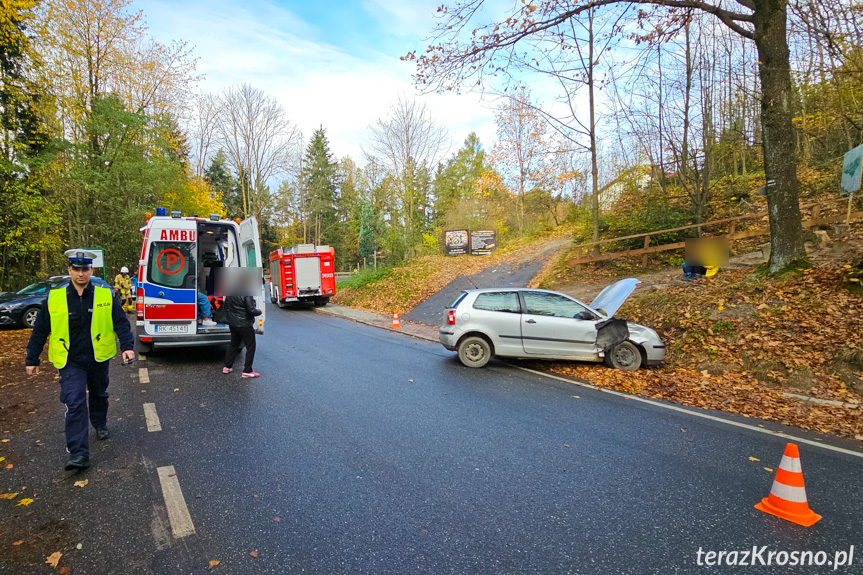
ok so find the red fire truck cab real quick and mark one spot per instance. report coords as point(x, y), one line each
point(303, 273)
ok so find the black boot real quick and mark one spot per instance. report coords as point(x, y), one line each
point(102, 432)
point(78, 462)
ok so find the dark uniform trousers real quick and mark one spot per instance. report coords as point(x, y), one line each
point(75, 382)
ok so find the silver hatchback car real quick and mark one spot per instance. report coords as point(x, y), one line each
point(543, 324)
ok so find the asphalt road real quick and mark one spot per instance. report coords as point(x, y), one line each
point(503, 275)
point(360, 451)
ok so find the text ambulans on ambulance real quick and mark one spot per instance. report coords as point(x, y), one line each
point(180, 259)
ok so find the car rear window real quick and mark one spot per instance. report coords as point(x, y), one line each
point(457, 300)
point(498, 301)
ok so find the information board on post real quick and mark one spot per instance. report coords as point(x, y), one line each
point(852, 168)
point(456, 242)
point(482, 242)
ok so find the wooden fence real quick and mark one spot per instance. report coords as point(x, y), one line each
point(815, 219)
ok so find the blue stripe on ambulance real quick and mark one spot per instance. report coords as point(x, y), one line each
point(171, 294)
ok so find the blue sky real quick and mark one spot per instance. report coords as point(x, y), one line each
point(333, 63)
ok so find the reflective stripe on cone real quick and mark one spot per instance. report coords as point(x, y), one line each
point(787, 497)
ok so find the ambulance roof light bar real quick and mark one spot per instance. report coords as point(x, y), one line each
point(176, 214)
point(161, 211)
point(214, 217)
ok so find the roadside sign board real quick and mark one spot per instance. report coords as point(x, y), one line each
point(99, 260)
point(482, 242)
point(455, 242)
point(852, 167)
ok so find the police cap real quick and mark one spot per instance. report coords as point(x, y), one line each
point(80, 258)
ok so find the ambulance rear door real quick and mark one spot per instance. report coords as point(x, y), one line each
point(250, 256)
point(170, 281)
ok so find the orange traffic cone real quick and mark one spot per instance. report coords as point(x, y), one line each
point(787, 497)
point(396, 323)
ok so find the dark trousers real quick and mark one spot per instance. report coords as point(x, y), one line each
point(75, 381)
point(246, 336)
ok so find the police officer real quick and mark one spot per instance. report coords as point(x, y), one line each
point(80, 322)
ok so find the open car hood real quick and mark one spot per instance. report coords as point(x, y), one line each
point(612, 297)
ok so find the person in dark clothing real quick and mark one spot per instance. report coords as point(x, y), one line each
point(80, 323)
point(240, 313)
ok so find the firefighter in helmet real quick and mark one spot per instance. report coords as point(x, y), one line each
point(123, 285)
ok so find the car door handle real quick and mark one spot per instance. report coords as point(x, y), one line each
point(530, 321)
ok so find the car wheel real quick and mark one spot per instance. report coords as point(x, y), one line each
point(474, 351)
point(29, 317)
point(625, 356)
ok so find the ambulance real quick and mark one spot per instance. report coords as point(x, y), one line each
point(180, 258)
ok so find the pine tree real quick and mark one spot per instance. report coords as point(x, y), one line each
point(220, 179)
point(456, 180)
point(319, 180)
point(367, 243)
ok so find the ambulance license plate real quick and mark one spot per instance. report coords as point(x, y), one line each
point(171, 328)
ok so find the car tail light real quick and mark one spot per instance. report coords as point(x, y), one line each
point(450, 317)
point(139, 304)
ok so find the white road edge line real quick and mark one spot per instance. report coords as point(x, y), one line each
point(178, 513)
point(152, 417)
point(143, 375)
point(696, 414)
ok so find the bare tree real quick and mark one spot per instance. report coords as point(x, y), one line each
point(481, 55)
point(259, 142)
point(521, 150)
point(410, 142)
point(203, 126)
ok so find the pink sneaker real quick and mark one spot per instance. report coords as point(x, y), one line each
point(227, 370)
point(250, 374)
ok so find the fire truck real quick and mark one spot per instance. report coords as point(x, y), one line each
point(304, 273)
point(180, 257)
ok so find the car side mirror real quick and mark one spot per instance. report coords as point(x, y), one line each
point(586, 315)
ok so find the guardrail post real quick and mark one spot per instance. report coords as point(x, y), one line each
point(731, 229)
point(644, 256)
point(816, 211)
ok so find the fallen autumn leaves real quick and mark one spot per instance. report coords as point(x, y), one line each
point(737, 342)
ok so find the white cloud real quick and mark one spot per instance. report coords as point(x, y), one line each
point(317, 83)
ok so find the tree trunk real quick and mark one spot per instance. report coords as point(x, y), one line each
point(594, 204)
point(780, 159)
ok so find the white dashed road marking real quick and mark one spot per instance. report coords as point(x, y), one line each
point(152, 417)
point(142, 357)
point(178, 513)
point(143, 375)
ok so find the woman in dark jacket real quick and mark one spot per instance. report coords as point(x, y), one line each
point(240, 312)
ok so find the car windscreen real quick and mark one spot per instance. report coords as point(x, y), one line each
point(172, 264)
point(36, 288)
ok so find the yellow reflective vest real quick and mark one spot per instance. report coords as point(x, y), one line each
point(101, 327)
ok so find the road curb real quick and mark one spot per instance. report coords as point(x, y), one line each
point(330, 312)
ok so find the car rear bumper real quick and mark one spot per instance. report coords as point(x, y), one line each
point(448, 338)
point(200, 339)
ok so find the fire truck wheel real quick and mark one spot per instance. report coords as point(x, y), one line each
point(144, 348)
point(321, 301)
